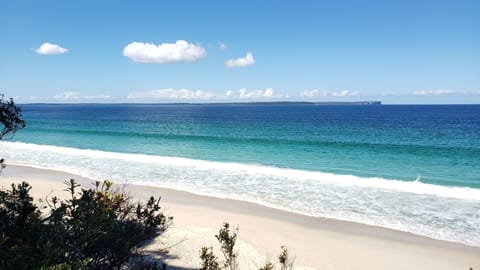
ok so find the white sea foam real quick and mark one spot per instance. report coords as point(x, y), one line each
point(415, 186)
point(447, 213)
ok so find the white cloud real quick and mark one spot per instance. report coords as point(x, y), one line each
point(243, 93)
point(317, 93)
point(101, 96)
point(48, 48)
point(72, 95)
point(344, 93)
point(312, 93)
point(172, 94)
point(222, 46)
point(437, 92)
point(246, 61)
point(180, 51)
point(67, 95)
point(186, 94)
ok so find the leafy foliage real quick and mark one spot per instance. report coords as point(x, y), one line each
point(209, 260)
point(268, 266)
point(286, 262)
point(10, 117)
point(95, 229)
point(20, 228)
point(227, 240)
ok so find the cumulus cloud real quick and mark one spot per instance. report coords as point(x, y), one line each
point(49, 48)
point(345, 93)
point(318, 93)
point(437, 92)
point(180, 51)
point(76, 96)
point(243, 93)
point(101, 96)
point(67, 95)
point(172, 94)
point(312, 93)
point(246, 61)
point(186, 94)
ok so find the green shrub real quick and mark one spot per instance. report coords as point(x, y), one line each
point(286, 262)
point(227, 240)
point(21, 230)
point(10, 117)
point(95, 229)
point(209, 260)
point(268, 266)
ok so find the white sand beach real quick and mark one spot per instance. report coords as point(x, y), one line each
point(316, 243)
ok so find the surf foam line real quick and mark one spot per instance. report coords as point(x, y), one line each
point(445, 213)
point(414, 186)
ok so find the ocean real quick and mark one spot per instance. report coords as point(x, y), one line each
point(414, 168)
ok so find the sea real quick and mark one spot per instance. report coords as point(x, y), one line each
point(413, 168)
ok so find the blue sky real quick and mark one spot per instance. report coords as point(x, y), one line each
point(213, 51)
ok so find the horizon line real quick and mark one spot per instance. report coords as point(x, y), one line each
point(322, 103)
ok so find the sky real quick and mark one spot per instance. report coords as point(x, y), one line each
point(398, 52)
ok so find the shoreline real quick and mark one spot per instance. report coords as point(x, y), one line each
point(253, 203)
point(263, 230)
point(411, 206)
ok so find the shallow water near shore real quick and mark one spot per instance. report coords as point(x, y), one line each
point(411, 168)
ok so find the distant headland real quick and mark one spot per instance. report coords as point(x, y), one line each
point(260, 103)
point(276, 103)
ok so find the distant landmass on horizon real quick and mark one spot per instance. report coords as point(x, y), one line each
point(273, 103)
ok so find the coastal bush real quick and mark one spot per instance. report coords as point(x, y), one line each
point(227, 239)
point(10, 117)
point(268, 266)
point(20, 228)
point(96, 228)
point(209, 260)
point(286, 262)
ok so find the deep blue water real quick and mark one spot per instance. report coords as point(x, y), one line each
point(410, 167)
point(439, 144)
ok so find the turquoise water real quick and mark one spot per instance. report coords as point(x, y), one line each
point(412, 168)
